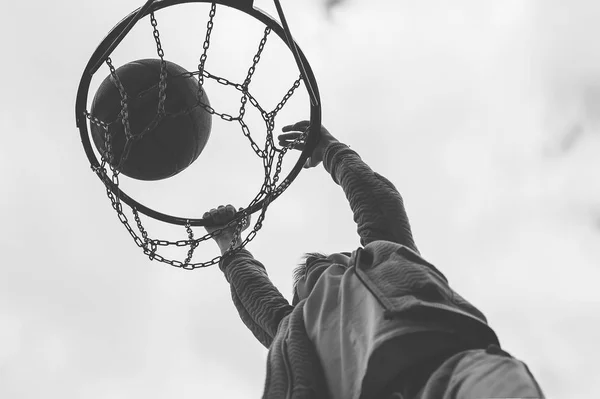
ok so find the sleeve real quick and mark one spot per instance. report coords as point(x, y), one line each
point(377, 206)
point(259, 303)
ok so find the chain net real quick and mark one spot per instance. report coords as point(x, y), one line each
point(272, 157)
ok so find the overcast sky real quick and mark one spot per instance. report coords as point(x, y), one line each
point(485, 115)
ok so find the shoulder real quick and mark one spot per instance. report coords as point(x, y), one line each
point(383, 254)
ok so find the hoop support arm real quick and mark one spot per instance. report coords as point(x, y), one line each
point(292, 44)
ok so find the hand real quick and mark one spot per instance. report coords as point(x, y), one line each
point(297, 130)
point(221, 216)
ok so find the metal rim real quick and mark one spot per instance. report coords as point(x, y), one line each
point(103, 51)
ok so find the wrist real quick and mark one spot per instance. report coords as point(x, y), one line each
point(224, 243)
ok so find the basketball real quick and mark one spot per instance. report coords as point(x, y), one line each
point(175, 142)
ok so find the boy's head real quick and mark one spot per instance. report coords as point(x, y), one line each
point(308, 271)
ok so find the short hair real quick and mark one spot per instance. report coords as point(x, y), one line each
point(301, 270)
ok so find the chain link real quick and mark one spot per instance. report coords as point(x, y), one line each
point(162, 85)
point(148, 247)
point(286, 97)
point(256, 58)
point(193, 244)
point(205, 46)
point(272, 157)
point(123, 115)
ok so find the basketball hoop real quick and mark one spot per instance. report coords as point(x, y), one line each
point(272, 157)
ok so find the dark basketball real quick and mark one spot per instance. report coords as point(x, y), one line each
point(175, 142)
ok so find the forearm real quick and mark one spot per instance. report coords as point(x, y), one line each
point(259, 303)
point(377, 206)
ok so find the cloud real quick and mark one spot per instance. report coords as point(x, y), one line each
point(454, 103)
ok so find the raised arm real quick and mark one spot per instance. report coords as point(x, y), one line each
point(259, 303)
point(377, 206)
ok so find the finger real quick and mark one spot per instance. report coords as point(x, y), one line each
point(296, 146)
point(223, 215)
point(302, 125)
point(289, 136)
point(286, 140)
point(206, 215)
point(294, 128)
point(294, 143)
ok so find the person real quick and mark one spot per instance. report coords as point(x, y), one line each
point(378, 322)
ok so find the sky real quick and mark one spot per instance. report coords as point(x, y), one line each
point(484, 114)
